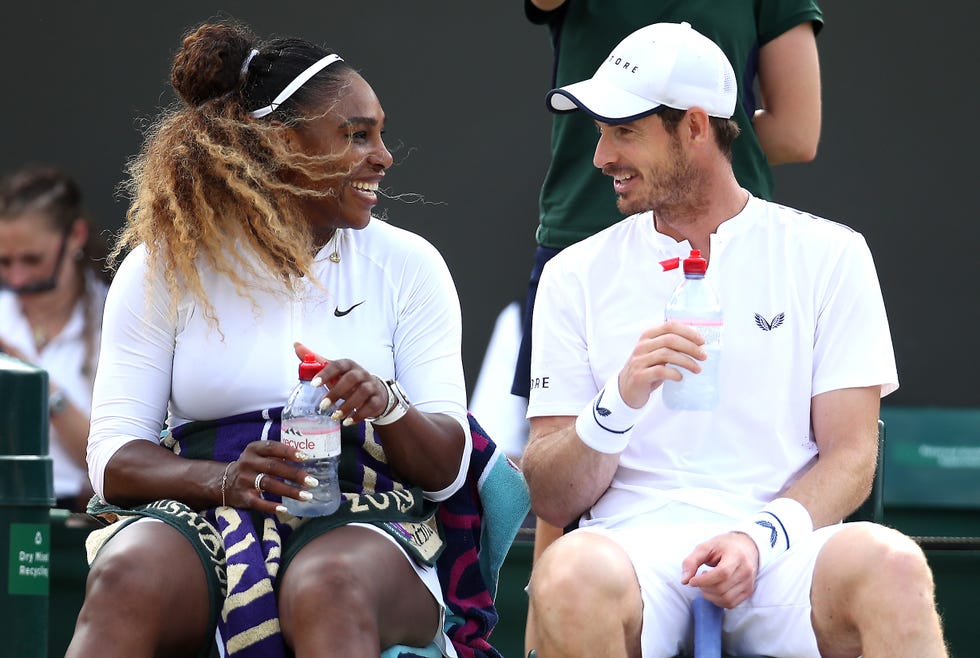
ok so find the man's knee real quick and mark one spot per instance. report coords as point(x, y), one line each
point(868, 551)
point(873, 592)
point(579, 568)
point(585, 598)
point(867, 563)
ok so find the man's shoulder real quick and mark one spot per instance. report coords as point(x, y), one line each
point(794, 220)
point(599, 242)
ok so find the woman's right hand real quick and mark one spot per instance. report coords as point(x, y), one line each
point(277, 463)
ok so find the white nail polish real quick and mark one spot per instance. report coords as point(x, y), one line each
point(348, 422)
point(336, 415)
point(325, 404)
point(306, 495)
point(281, 508)
point(316, 382)
point(310, 481)
point(302, 456)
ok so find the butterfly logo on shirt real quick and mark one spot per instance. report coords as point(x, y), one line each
point(769, 325)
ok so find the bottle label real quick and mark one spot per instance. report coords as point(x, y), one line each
point(312, 437)
point(710, 330)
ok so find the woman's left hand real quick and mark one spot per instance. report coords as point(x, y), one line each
point(363, 395)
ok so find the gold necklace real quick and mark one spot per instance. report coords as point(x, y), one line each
point(40, 337)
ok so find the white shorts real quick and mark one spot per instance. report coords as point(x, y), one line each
point(774, 621)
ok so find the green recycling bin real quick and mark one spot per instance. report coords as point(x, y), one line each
point(26, 496)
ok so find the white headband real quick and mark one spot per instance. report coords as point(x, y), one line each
point(297, 82)
point(248, 60)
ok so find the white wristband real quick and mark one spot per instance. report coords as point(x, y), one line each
point(780, 525)
point(606, 423)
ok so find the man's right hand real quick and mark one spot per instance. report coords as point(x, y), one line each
point(651, 363)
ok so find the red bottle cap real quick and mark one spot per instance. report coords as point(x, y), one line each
point(695, 264)
point(309, 367)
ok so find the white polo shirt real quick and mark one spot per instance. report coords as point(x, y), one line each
point(596, 297)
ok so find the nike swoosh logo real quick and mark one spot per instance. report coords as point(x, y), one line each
point(340, 314)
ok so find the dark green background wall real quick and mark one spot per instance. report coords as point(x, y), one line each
point(463, 85)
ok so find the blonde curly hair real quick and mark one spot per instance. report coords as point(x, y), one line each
point(209, 175)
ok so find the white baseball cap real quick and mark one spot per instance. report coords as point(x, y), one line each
point(660, 65)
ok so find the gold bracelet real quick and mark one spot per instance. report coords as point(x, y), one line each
point(224, 482)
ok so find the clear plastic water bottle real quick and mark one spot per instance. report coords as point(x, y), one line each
point(695, 304)
point(306, 429)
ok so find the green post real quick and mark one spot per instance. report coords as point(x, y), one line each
point(26, 496)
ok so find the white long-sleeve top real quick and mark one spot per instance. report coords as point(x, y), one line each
point(390, 304)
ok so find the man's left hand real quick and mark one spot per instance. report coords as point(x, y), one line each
point(733, 562)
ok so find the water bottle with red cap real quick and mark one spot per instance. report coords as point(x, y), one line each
point(695, 304)
point(309, 430)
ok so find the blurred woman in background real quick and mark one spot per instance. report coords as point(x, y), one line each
point(52, 291)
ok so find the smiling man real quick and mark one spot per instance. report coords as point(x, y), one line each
point(742, 503)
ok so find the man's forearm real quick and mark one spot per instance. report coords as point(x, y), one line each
point(564, 475)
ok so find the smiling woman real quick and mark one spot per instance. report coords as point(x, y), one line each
point(353, 126)
point(251, 243)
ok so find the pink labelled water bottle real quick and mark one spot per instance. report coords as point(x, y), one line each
point(307, 429)
point(694, 303)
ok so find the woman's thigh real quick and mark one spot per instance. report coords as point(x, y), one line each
point(151, 571)
point(358, 575)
